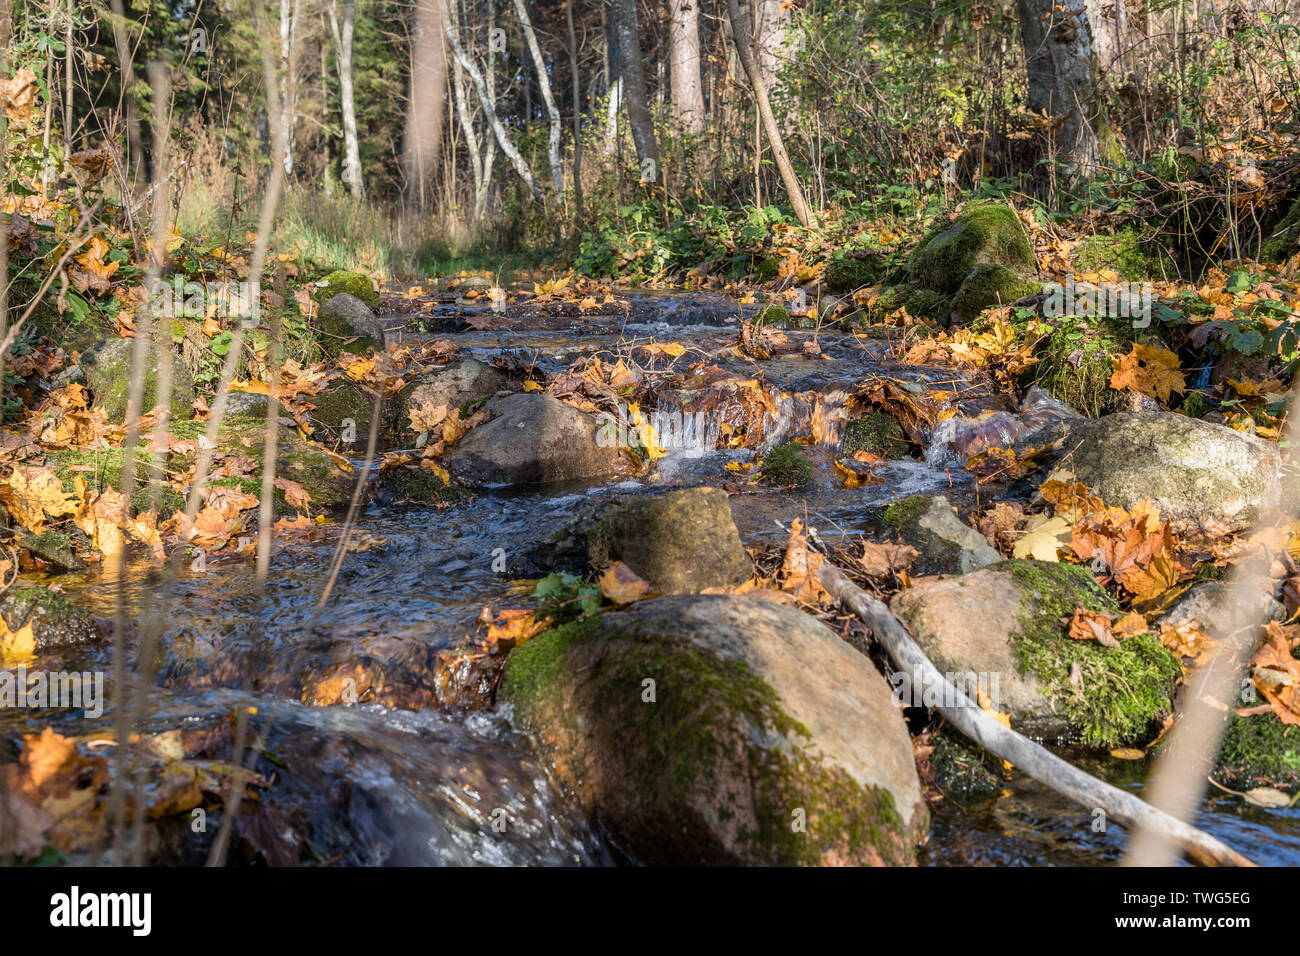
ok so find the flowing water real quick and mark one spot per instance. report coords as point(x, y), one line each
point(396, 780)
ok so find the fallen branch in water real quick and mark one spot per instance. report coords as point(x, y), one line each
point(1041, 764)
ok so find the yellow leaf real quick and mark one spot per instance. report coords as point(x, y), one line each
point(16, 646)
point(531, 386)
point(622, 585)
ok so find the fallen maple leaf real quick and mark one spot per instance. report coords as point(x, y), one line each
point(1149, 370)
point(622, 585)
point(879, 560)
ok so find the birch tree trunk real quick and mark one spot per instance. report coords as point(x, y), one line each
point(794, 191)
point(289, 19)
point(684, 64)
point(628, 32)
point(577, 107)
point(450, 25)
point(773, 25)
point(351, 148)
point(544, 84)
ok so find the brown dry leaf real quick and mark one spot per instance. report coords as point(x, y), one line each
point(1090, 626)
point(1185, 640)
point(1000, 523)
point(426, 417)
point(1149, 370)
point(228, 502)
point(32, 494)
point(879, 560)
point(1128, 753)
point(622, 585)
point(294, 493)
point(508, 628)
point(799, 576)
point(19, 96)
point(1277, 672)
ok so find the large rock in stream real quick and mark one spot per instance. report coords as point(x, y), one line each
point(722, 730)
point(107, 368)
point(347, 324)
point(55, 621)
point(1197, 473)
point(1002, 628)
point(534, 439)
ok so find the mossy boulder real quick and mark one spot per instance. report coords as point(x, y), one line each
point(681, 542)
point(1195, 472)
point(980, 258)
point(773, 317)
point(853, 269)
point(343, 415)
point(347, 324)
point(947, 544)
point(1003, 625)
point(715, 730)
point(787, 467)
point(353, 283)
point(988, 284)
point(107, 367)
point(322, 475)
point(1134, 256)
point(56, 621)
point(877, 433)
point(419, 487)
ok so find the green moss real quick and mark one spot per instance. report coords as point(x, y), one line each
point(21, 604)
point(423, 487)
point(1260, 751)
point(773, 316)
point(962, 768)
point(1283, 241)
point(904, 515)
point(1133, 256)
point(784, 466)
point(708, 710)
point(1125, 688)
point(1078, 359)
point(877, 433)
point(847, 272)
point(925, 303)
point(353, 283)
point(986, 231)
point(988, 285)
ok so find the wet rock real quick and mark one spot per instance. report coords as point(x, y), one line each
point(758, 718)
point(343, 414)
point(947, 544)
point(979, 259)
point(346, 323)
point(1207, 605)
point(958, 439)
point(246, 404)
point(681, 542)
point(54, 548)
point(107, 369)
point(457, 386)
point(1001, 627)
point(56, 621)
point(297, 459)
point(535, 439)
point(1193, 471)
point(353, 283)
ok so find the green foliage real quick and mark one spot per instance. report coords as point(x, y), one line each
point(785, 466)
point(566, 596)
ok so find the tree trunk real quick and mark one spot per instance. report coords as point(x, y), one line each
point(544, 84)
point(289, 19)
point(684, 64)
point(1108, 20)
point(793, 190)
point(1061, 67)
point(769, 38)
point(343, 43)
point(627, 30)
point(577, 108)
point(489, 109)
point(428, 85)
point(6, 23)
